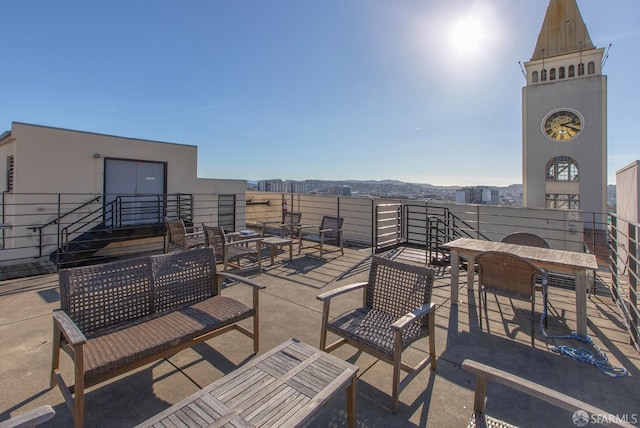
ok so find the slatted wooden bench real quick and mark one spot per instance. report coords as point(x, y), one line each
point(119, 316)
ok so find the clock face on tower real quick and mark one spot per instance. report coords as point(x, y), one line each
point(562, 125)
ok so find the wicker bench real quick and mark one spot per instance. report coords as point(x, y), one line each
point(118, 316)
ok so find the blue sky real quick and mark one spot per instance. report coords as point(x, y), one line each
point(421, 91)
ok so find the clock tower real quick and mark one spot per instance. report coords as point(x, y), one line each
point(564, 115)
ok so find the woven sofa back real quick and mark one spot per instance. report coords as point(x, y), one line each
point(183, 278)
point(100, 296)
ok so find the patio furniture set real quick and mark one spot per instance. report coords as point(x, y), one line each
point(170, 302)
point(236, 245)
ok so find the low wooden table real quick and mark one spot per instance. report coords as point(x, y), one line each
point(274, 243)
point(287, 386)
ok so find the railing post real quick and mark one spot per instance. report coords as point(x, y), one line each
point(374, 228)
point(59, 246)
point(613, 258)
point(633, 282)
point(478, 222)
point(4, 208)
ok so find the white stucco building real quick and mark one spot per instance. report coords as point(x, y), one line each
point(47, 172)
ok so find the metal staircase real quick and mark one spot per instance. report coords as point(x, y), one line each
point(86, 229)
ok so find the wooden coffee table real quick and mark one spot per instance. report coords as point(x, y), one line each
point(274, 243)
point(286, 386)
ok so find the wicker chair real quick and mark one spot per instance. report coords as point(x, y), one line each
point(531, 240)
point(288, 227)
point(329, 232)
point(227, 250)
point(397, 311)
point(484, 373)
point(525, 238)
point(506, 274)
point(176, 236)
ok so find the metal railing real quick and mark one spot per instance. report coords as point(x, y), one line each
point(376, 224)
point(624, 269)
point(41, 227)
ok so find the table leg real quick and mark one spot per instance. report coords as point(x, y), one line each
point(272, 250)
point(471, 272)
point(455, 275)
point(351, 402)
point(290, 251)
point(581, 301)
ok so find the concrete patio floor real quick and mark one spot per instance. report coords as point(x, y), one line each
point(289, 308)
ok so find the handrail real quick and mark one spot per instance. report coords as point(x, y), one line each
point(56, 220)
point(65, 231)
point(111, 214)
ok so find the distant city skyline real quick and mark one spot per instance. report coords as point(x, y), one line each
point(421, 92)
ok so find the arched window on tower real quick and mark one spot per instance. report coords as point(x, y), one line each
point(552, 74)
point(572, 70)
point(591, 67)
point(581, 69)
point(561, 73)
point(534, 77)
point(543, 76)
point(562, 168)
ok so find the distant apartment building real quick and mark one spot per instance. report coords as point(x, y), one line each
point(478, 195)
point(282, 186)
point(339, 190)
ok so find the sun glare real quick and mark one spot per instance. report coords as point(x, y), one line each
point(467, 35)
point(474, 33)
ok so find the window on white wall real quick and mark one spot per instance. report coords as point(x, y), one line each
point(563, 202)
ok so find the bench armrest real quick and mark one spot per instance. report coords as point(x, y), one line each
point(338, 291)
point(484, 373)
point(241, 279)
point(403, 322)
point(68, 328)
point(308, 226)
point(330, 230)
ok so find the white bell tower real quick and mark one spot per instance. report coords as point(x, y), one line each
point(564, 116)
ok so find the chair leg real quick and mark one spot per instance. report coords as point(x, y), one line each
point(533, 314)
point(432, 339)
point(397, 364)
point(256, 320)
point(55, 356)
point(545, 300)
point(325, 319)
point(480, 306)
point(78, 401)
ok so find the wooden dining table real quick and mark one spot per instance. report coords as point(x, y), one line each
point(573, 263)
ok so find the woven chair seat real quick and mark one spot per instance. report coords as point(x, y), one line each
point(236, 251)
point(480, 420)
point(372, 328)
point(120, 345)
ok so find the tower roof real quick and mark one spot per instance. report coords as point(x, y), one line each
point(563, 31)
